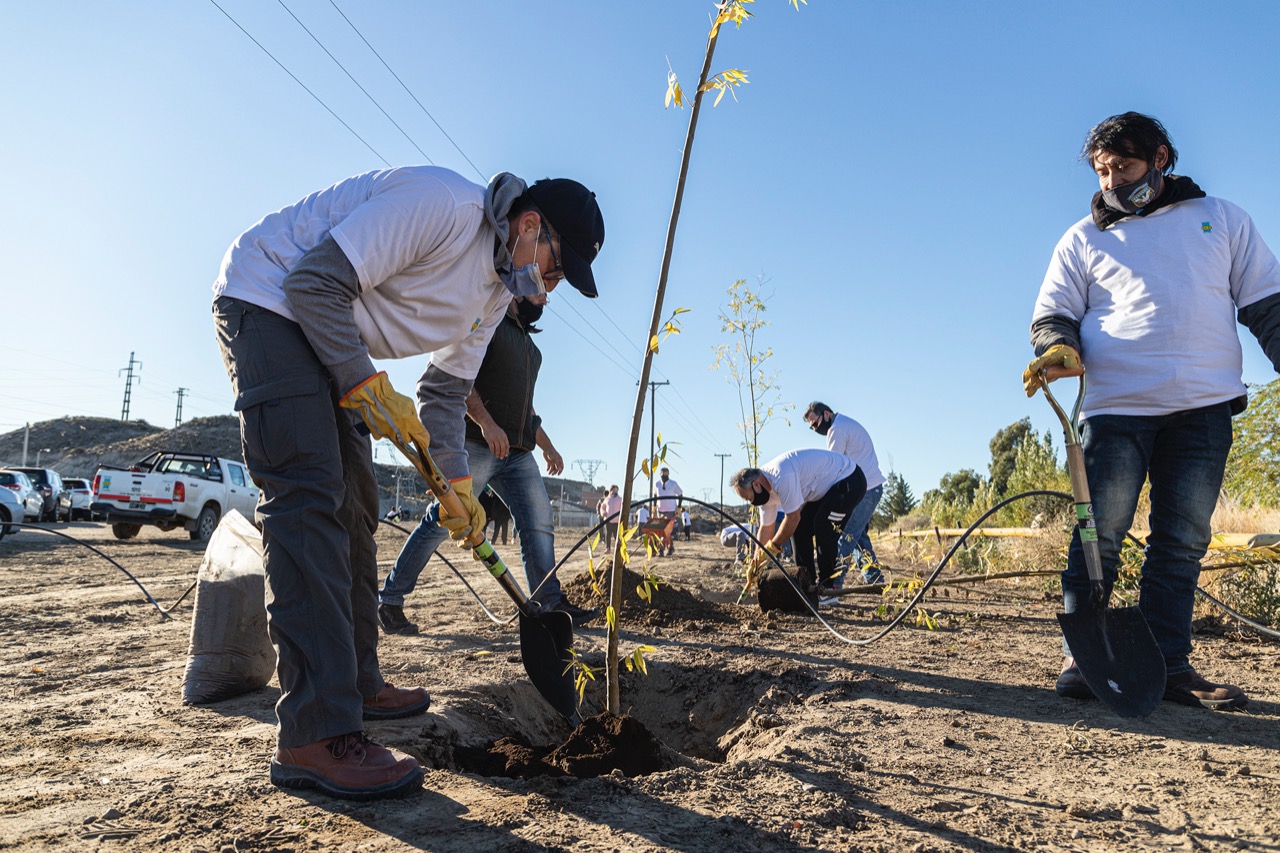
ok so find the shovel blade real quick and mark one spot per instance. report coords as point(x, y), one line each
point(1118, 658)
point(545, 640)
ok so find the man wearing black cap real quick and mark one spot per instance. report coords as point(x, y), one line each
point(388, 264)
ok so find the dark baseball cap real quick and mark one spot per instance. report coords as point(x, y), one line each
point(571, 211)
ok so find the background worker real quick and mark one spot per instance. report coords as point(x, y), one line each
point(1145, 292)
point(848, 437)
point(669, 492)
point(816, 490)
point(501, 433)
point(688, 524)
point(387, 264)
point(610, 510)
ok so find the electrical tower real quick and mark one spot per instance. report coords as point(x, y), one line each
point(589, 467)
point(177, 419)
point(128, 385)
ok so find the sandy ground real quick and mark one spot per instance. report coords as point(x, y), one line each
point(949, 739)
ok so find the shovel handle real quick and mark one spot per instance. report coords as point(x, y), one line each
point(439, 486)
point(1075, 468)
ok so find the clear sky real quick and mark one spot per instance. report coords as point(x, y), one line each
point(898, 171)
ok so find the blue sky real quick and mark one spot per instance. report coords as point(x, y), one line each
point(899, 172)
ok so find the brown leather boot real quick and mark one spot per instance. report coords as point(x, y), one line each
point(349, 766)
point(1190, 688)
point(392, 703)
point(1071, 683)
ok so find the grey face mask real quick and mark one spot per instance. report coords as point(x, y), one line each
point(1133, 197)
point(526, 280)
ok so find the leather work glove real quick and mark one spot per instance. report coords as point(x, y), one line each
point(460, 526)
point(762, 559)
point(387, 413)
point(1058, 355)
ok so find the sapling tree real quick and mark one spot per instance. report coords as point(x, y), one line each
point(728, 11)
point(746, 359)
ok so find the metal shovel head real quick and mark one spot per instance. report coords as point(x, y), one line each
point(545, 640)
point(1118, 658)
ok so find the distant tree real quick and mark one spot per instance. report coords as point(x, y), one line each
point(1004, 452)
point(952, 500)
point(1253, 468)
point(896, 502)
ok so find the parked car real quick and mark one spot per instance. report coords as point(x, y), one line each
point(28, 495)
point(81, 492)
point(57, 502)
point(11, 509)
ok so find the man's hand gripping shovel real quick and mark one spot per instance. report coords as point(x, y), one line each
point(1114, 648)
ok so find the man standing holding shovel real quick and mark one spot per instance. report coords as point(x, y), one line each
point(1145, 293)
point(388, 264)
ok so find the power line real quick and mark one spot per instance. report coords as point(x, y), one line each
point(354, 80)
point(300, 83)
point(406, 88)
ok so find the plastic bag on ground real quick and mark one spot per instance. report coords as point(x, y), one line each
point(230, 651)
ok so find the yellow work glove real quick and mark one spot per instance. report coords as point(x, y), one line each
point(460, 526)
point(387, 413)
point(762, 559)
point(1058, 355)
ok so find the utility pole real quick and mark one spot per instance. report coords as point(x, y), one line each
point(653, 400)
point(128, 385)
point(177, 419)
point(589, 467)
point(722, 458)
point(26, 440)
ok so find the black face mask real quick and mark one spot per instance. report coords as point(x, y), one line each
point(1135, 195)
point(760, 498)
point(823, 426)
point(664, 478)
point(528, 313)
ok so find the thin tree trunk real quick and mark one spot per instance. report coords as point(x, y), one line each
point(614, 702)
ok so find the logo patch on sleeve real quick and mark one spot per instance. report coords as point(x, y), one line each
point(476, 324)
point(1206, 227)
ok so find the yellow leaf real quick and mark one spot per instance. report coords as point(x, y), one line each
point(481, 654)
point(681, 311)
point(653, 344)
point(716, 102)
point(643, 592)
point(640, 663)
point(611, 618)
point(644, 467)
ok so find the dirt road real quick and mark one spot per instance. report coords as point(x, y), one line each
point(949, 739)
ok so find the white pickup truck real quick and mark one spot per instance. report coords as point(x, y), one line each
point(172, 490)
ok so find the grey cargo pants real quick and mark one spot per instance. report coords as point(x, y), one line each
point(318, 514)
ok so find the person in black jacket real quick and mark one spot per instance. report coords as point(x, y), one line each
point(502, 431)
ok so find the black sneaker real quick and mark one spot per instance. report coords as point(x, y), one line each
point(1071, 683)
point(391, 618)
point(1189, 688)
point(579, 615)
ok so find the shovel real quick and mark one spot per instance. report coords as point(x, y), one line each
point(545, 635)
point(1114, 648)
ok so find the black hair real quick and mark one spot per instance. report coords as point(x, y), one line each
point(744, 476)
point(817, 408)
point(1129, 135)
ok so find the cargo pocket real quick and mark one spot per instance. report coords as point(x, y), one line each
point(287, 420)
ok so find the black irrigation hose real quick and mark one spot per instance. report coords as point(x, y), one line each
point(163, 613)
point(496, 619)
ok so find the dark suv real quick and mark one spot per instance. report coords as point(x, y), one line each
point(57, 500)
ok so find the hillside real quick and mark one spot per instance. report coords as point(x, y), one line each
point(78, 446)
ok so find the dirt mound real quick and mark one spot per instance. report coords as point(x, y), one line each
point(671, 605)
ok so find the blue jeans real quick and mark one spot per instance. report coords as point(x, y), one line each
point(518, 482)
point(855, 536)
point(1184, 454)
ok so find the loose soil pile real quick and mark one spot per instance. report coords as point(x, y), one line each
point(772, 735)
